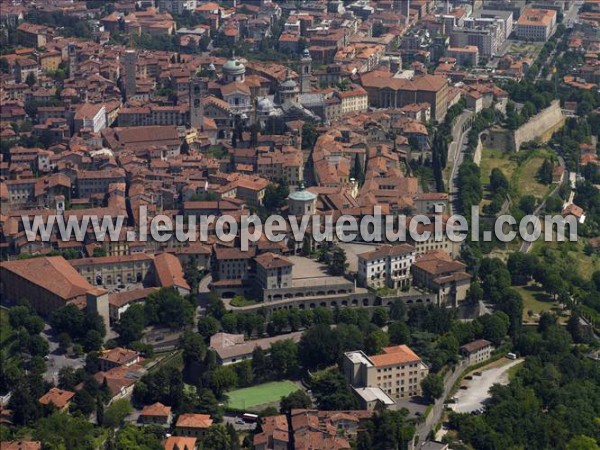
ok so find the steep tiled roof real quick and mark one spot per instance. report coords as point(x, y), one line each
point(54, 274)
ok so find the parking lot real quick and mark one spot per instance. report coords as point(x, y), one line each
point(475, 392)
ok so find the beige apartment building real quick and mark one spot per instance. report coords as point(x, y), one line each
point(397, 373)
point(273, 271)
point(111, 270)
point(91, 182)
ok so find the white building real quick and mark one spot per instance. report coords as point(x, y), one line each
point(177, 6)
point(536, 24)
point(388, 266)
point(90, 116)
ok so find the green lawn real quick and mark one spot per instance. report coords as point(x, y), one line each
point(247, 398)
point(537, 300)
point(527, 177)
point(574, 254)
point(496, 159)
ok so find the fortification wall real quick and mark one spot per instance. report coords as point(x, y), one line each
point(540, 127)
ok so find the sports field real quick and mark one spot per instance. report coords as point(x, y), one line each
point(259, 395)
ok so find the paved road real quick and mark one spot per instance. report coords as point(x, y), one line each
point(477, 392)
point(456, 154)
point(570, 16)
point(423, 430)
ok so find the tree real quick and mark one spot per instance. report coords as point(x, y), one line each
point(167, 307)
point(318, 347)
point(116, 413)
point(229, 322)
point(399, 333)
point(61, 430)
point(309, 135)
point(433, 387)
point(495, 326)
point(295, 400)
point(83, 402)
point(207, 326)
point(357, 171)
point(68, 378)
point(260, 366)
point(131, 324)
point(380, 317)
point(375, 341)
point(24, 404)
point(131, 437)
point(527, 204)
point(217, 436)
point(545, 172)
point(30, 80)
point(332, 392)
point(93, 341)
point(222, 379)
point(338, 263)
point(398, 310)
point(193, 346)
point(276, 195)
point(378, 29)
point(583, 443)
point(215, 307)
point(192, 274)
point(4, 66)
point(498, 181)
point(284, 358)
point(99, 251)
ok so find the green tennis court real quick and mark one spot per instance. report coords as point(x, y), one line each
point(259, 395)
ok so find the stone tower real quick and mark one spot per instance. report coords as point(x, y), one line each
point(130, 72)
point(305, 72)
point(97, 301)
point(197, 88)
point(72, 60)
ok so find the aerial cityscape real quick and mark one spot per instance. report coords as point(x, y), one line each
point(300, 225)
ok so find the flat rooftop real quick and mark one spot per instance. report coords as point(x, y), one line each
point(358, 357)
point(370, 394)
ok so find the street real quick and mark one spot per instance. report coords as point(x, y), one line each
point(456, 154)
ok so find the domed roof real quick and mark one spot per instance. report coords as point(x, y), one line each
point(302, 195)
point(264, 105)
point(306, 53)
point(234, 67)
point(289, 84)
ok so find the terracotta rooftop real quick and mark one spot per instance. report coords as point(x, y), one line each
point(119, 355)
point(58, 397)
point(194, 421)
point(21, 445)
point(180, 443)
point(272, 261)
point(53, 274)
point(400, 354)
point(156, 409)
